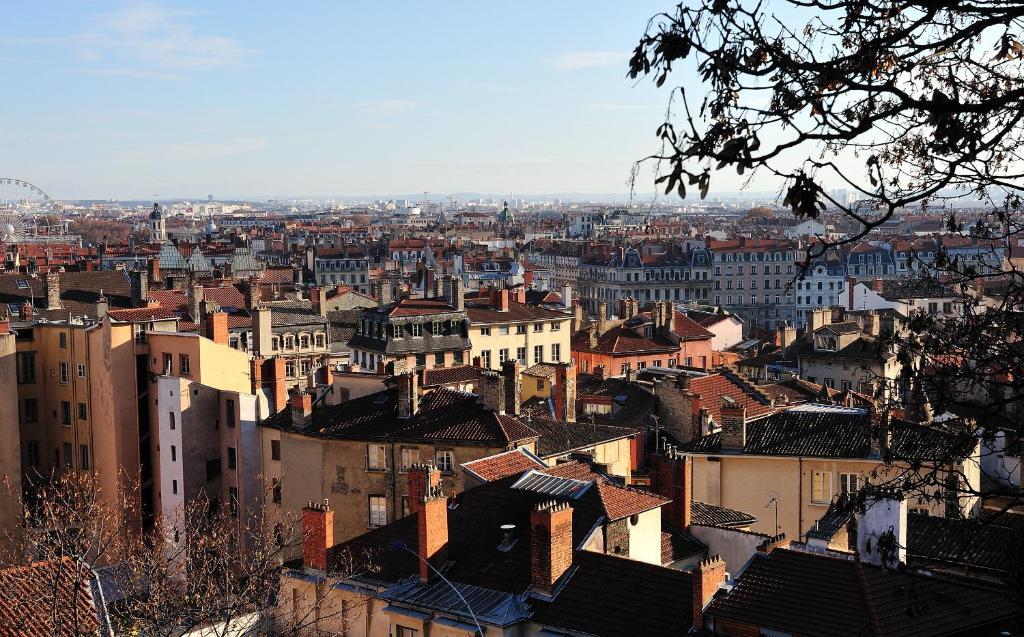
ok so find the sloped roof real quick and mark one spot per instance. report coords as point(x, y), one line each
point(819, 595)
point(714, 386)
point(50, 599)
point(822, 431)
point(443, 414)
point(503, 465)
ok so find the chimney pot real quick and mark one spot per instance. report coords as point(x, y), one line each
point(552, 550)
point(317, 535)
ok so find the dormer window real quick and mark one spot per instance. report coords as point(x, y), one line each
point(826, 343)
point(396, 331)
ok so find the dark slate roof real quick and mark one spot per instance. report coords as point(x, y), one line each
point(920, 288)
point(489, 606)
point(834, 520)
point(676, 545)
point(992, 545)
point(449, 375)
point(562, 437)
point(812, 594)
point(609, 595)
point(443, 414)
point(706, 514)
point(284, 314)
point(821, 431)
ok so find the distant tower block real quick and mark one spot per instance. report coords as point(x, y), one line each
point(209, 197)
point(157, 224)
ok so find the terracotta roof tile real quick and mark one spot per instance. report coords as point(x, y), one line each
point(49, 599)
point(503, 465)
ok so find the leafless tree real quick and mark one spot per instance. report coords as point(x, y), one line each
point(913, 106)
point(206, 569)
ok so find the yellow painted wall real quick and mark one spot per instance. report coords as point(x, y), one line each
point(748, 484)
point(497, 341)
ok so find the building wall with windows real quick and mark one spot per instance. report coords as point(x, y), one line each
point(10, 435)
point(364, 480)
point(803, 488)
point(54, 397)
point(531, 341)
point(194, 359)
point(677, 276)
point(209, 446)
point(754, 278)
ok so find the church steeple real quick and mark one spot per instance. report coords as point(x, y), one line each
point(157, 224)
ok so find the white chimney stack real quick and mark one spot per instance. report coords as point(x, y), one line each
point(882, 530)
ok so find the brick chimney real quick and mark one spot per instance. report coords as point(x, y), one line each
point(25, 311)
point(592, 336)
point(216, 324)
point(253, 293)
point(734, 425)
point(154, 270)
point(565, 392)
point(513, 387)
point(502, 300)
point(278, 383)
point(672, 477)
point(420, 479)
point(708, 576)
point(602, 318)
point(877, 285)
point(669, 318)
point(140, 288)
point(491, 390)
point(408, 395)
point(317, 535)
point(195, 298)
point(881, 433)
point(432, 527)
point(53, 290)
point(551, 544)
point(302, 408)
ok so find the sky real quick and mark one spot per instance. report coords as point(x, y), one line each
point(280, 99)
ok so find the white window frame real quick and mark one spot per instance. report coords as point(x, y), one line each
point(821, 487)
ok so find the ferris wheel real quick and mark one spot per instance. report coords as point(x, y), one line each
point(28, 215)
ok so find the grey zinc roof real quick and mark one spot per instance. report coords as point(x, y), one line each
point(538, 482)
point(170, 258)
point(198, 262)
point(496, 608)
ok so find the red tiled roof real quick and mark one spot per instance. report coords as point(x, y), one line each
point(448, 375)
point(227, 296)
point(714, 386)
point(48, 599)
point(622, 502)
point(503, 465)
point(621, 340)
point(142, 314)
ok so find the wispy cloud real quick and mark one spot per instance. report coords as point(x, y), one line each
point(576, 60)
point(190, 151)
point(387, 105)
point(150, 41)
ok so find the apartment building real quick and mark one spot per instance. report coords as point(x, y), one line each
point(753, 277)
point(431, 332)
point(212, 373)
point(681, 273)
point(357, 453)
point(503, 327)
point(847, 355)
point(347, 264)
point(10, 429)
point(801, 459)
